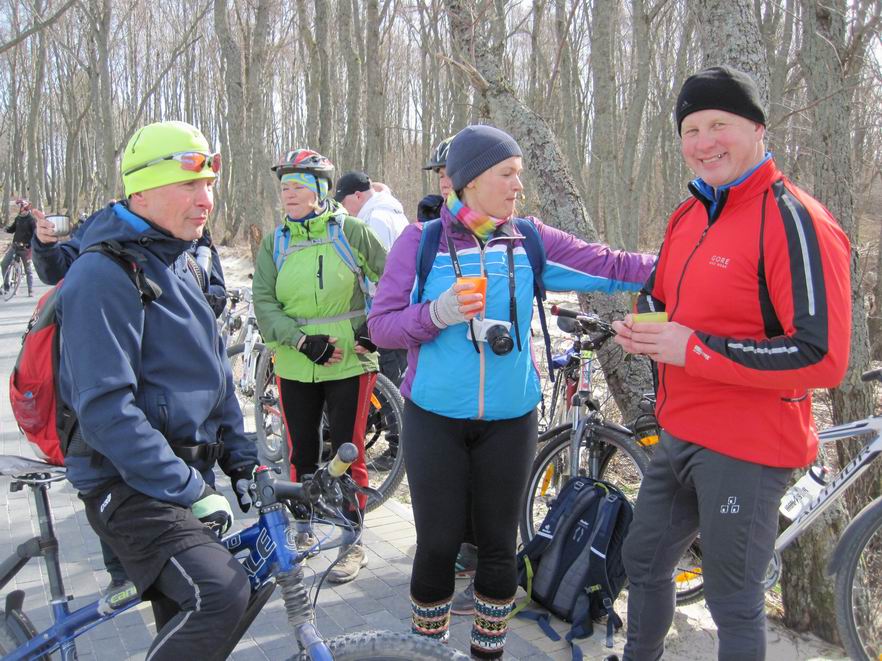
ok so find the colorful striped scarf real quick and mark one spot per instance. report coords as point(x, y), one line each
point(481, 226)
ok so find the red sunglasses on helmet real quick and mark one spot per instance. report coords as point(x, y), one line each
point(191, 161)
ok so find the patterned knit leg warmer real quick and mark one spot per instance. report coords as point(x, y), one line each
point(431, 620)
point(491, 624)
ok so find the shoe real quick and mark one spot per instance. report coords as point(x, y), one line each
point(116, 584)
point(352, 559)
point(467, 560)
point(464, 602)
point(305, 541)
point(611, 657)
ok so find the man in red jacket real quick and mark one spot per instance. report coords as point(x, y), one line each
point(753, 274)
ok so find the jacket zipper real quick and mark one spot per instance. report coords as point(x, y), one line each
point(664, 368)
point(320, 278)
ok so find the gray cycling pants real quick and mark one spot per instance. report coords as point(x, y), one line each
point(688, 490)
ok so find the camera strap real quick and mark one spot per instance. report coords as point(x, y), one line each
point(512, 299)
point(457, 271)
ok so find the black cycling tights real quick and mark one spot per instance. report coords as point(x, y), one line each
point(348, 405)
point(447, 459)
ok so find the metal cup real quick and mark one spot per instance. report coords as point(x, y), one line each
point(61, 223)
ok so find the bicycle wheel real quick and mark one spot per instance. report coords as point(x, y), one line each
point(619, 461)
point(387, 645)
point(244, 370)
point(859, 587)
point(269, 424)
point(13, 278)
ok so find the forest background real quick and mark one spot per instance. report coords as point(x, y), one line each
point(587, 87)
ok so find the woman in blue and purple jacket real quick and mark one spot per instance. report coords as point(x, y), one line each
point(470, 412)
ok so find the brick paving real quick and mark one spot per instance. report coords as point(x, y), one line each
point(378, 599)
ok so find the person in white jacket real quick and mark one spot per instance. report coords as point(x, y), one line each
point(374, 204)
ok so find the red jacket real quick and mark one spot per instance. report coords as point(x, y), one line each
point(765, 286)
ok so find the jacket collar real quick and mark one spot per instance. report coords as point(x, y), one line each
point(742, 190)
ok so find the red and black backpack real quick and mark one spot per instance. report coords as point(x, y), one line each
point(46, 421)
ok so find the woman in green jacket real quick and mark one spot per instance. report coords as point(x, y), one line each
point(310, 285)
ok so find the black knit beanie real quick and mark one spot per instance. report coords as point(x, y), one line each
point(720, 88)
point(476, 149)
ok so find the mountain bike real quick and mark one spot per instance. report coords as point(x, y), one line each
point(383, 456)
point(13, 277)
point(267, 552)
point(592, 446)
point(856, 561)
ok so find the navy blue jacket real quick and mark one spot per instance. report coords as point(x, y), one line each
point(52, 260)
point(140, 377)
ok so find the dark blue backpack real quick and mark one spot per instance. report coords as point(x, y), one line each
point(573, 565)
point(430, 239)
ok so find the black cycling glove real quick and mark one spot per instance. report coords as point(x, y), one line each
point(241, 480)
point(317, 348)
point(363, 338)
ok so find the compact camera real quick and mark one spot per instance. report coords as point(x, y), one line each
point(494, 332)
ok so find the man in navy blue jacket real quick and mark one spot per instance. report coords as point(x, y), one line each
point(153, 395)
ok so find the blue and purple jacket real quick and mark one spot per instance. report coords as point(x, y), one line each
point(445, 374)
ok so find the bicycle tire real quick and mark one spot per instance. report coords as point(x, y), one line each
point(245, 384)
point(383, 429)
point(13, 279)
point(625, 471)
point(859, 587)
point(388, 646)
point(272, 445)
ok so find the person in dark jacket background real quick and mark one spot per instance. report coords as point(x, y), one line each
point(154, 399)
point(22, 229)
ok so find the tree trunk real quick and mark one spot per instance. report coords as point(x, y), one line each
point(808, 604)
point(729, 34)
point(375, 123)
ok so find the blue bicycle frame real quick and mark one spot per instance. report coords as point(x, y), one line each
point(266, 550)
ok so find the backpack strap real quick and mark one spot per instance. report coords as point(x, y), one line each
point(599, 548)
point(347, 254)
point(130, 262)
point(281, 239)
point(535, 250)
point(430, 239)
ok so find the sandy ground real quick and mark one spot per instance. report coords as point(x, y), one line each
point(693, 635)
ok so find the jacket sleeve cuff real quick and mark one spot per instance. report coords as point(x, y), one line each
point(433, 315)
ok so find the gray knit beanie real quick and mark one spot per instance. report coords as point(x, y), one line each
point(476, 149)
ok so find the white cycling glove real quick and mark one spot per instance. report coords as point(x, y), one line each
point(445, 310)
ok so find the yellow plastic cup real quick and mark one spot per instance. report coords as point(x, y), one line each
point(650, 318)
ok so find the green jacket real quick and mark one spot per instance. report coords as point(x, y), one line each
point(314, 284)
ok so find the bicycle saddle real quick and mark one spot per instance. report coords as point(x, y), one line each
point(13, 466)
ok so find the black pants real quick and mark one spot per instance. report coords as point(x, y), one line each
point(734, 504)
point(25, 253)
point(348, 404)
point(450, 463)
point(198, 589)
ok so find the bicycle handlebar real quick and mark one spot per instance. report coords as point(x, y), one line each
point(326, 484)
point(589, 322)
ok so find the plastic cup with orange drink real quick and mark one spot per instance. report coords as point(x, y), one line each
point(477, 285)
